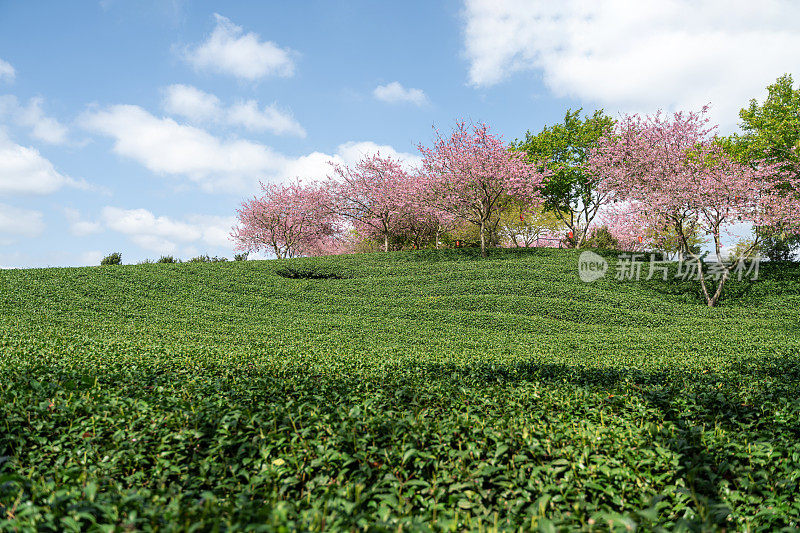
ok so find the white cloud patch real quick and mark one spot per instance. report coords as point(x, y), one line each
point(214, 230)
point(167, 147)
point(78, 226)
point(641, 55)
point(32, 116)
point(7, 72)
point(235, 166)
point(16, 222)
point(23, 170)
point(201, 107)
point(44, 128)
point(192, 103)
point(315, 166)
point(91, 257)
point(164, 234)
point(228, 50)
point(270, 118)
point(395, 93)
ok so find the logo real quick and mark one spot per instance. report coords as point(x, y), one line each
point(591, 267)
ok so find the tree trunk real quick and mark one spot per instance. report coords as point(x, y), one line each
point(483, 238)
point(385, 242)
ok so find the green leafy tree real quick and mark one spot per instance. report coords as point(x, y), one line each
point(771, 133)
point(112, 259)
point(603, 239)
point(569, 191)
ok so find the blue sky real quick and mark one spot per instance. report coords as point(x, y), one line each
point(139, 126)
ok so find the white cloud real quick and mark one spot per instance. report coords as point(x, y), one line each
point(163, 234)
point(167, 147)
point(395, 93)
point(42, 127)
point(191, 103)
point(201, 107)
point(315, 166)
point(642, 55)
point(228, 50)
point(23, 170)
point(6, 71)
point(79, 227)
point(91, 257)
point(214, 230)
point(16, 222)
point(248, 115)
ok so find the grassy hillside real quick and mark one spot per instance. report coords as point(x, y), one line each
point(429, 390)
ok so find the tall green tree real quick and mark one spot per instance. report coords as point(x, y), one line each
point(771, 132)
point(569, 191)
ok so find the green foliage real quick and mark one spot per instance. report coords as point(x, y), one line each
point(429, 390)
point(167, 259)
point(771, 132)
point(240, 257)
point(112, 259)
point(667, 239)
point(743, 250)
point(207, 259)
point(776, 244)
point(467, 234)
point(602, 238)
point(563, 149)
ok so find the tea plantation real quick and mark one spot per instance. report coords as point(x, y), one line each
point(404, 391)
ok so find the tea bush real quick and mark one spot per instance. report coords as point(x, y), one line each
point(112, 259)
point(429, 390)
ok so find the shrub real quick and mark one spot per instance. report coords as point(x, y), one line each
point(207, 259)
point(778, 245)
point(602, 238)
point(112, 259)
point(240, 257)
point(167, 259)
point(308, 272)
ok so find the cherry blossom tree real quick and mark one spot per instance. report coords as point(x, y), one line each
point(474, 177)
point(678, 174)
point(289, 219)
point(375, 194)
point(636, 230)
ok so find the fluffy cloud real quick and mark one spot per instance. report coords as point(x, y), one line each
point(192, 103)
point(16, 222)
point(228, 50)
point(395, 93)
point(167, 147)
point(24, 171)
point(248, 115)
point(78, 226)
point(6, 71)
point(637, 55)
point(198, 106)
point(163, 234)
point(42, 127)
